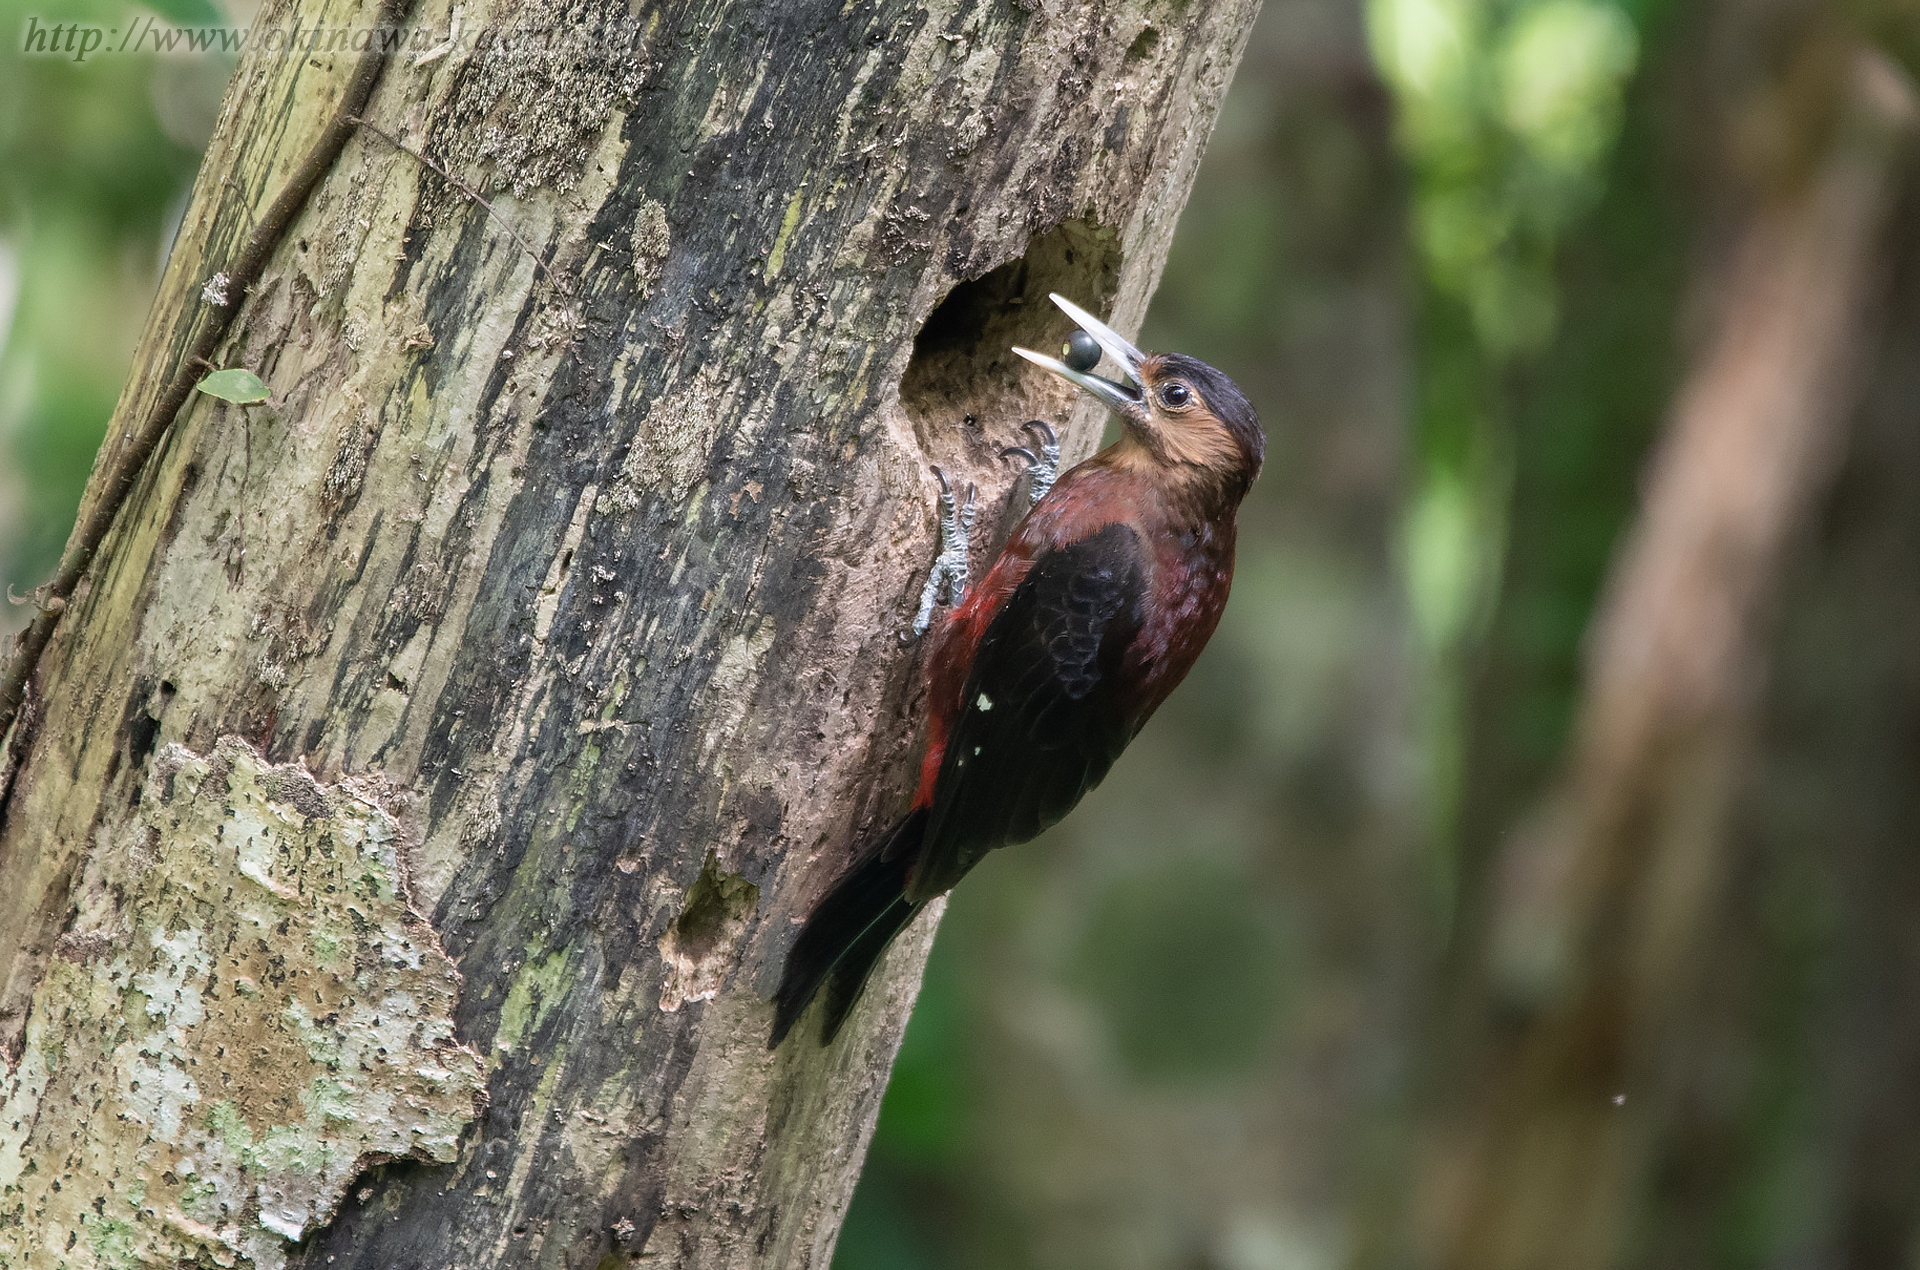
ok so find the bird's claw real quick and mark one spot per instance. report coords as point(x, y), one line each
point(1043, 459)
point(950, 566)
point(949, 575)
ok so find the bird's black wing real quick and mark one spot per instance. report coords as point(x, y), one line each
point(1044, 714)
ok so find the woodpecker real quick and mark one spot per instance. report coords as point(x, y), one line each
point(1038, 677)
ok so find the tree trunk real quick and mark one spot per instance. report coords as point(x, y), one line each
point(1605, 899)
point(414, 808)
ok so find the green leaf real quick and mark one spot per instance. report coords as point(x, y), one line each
point(241, 387)
point(188, 12)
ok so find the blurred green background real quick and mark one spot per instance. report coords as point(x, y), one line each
point(1459, 252)
point(95, 162)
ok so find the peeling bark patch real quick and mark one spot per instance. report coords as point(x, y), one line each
point(699, 947)
point(349, 466)
point(670, 452)
point(258, 1015)
point(532, 99)
point(652, 239)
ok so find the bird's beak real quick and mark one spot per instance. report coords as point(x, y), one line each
point(1129, 402)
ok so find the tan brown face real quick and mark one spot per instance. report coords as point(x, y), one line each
point(1174, 419)
point(1176, 409)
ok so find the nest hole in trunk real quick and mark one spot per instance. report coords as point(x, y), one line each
point(963, 362)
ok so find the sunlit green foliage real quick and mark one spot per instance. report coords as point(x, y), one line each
point(1507, 111)
point(1591, 405)
point(95, 160)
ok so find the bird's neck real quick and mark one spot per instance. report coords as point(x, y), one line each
point(1191, 494)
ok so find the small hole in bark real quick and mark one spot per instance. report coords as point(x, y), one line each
point(143, 725)
point(963, 363)
point(142, 735)
point(698, 948)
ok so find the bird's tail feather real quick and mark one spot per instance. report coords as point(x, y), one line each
point(851, 971)
point(849, 929)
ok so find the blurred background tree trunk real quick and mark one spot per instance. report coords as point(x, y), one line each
point(1605, 900)
point(1631, 1045)
point(416, 805)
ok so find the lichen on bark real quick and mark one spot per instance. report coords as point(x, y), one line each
point(248, 988)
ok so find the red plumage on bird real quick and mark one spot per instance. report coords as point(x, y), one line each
point(1037, 679)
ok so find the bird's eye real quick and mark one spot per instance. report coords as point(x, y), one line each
point(1175, 396)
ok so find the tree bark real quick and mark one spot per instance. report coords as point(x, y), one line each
point(414, 806)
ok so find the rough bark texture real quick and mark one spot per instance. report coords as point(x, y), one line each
point(437, 761)
point(1607, 895)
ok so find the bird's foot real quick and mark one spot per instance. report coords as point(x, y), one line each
point(950, 566)
point(1043, 459)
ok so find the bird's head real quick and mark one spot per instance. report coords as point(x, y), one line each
point(1176, 410)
